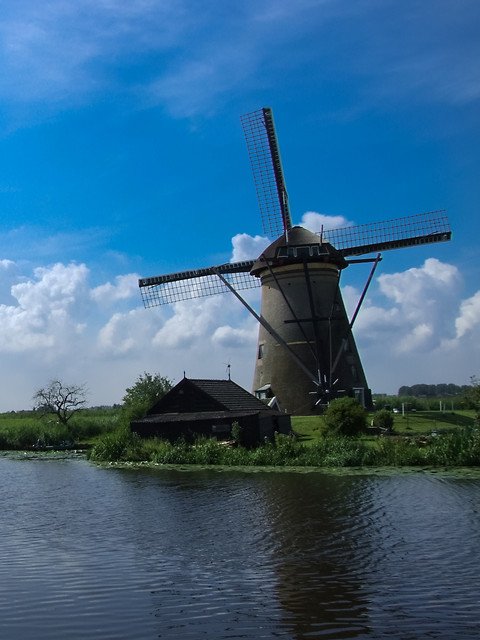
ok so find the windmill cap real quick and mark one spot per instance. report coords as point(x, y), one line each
point(301, 245)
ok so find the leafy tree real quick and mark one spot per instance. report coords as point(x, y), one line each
point(62, 400)
point(442, 390)
point(345, 416)
point(147, 390)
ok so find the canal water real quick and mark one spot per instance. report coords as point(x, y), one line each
point(103, 553)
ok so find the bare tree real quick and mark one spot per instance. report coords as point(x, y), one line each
point(60, 399)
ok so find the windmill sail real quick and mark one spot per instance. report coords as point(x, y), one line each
point(196, 283)
point(423, 228)
point(306, 351)
point(262, 145)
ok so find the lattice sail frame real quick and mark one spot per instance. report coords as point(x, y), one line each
point(423, 228)
point(262, 145)
point(199, 283)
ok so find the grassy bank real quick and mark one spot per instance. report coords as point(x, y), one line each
point(23, 429)
point(454, 443)
point(458, 448)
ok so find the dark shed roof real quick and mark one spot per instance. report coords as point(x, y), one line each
point(210, 408)
point(230, 395)
point(199, 395)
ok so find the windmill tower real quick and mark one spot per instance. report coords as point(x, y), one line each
point(306, 352)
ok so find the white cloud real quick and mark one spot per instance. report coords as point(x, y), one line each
point(414, 327)
point(125, 287)
point(49, 309)
point(418, 336)
point(469, 317)
point(192, 320)
point(425, 295)
point(247, 247)
point(317, 221)
point(7, 265)
point(229, 337)
point(125, 333)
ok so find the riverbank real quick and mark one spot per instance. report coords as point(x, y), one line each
point(460, 448)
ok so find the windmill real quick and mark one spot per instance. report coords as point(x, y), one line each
point(306, 352)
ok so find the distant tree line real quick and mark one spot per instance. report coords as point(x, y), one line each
point(434, 390)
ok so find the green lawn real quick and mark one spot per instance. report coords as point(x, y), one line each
point(309, 428)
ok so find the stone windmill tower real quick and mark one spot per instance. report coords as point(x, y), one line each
point(306, 352)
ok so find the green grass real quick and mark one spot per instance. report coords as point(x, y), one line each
point(458, 448)
point(310, 428)
point(455, 443)
point(23, 429)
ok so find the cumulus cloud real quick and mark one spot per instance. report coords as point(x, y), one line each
point(423, 307)
point(192, 320)
point(410, 322)
point(56, 325)
point(228, 336)
point(426, 297)
point(49, 308)
point(52, 326)
point(127, 332)
point(469, 317)
point(125, 287)
point(414, 327)
point(317, 221)
point(247, 247)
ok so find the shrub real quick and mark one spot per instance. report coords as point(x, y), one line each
point(237, 433)
point(384, 420)
point(346, 417)
point(116, 446)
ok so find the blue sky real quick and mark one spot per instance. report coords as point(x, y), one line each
point(122, 155)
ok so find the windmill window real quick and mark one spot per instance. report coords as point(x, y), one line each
point(264, 392)
point(303, 252)
point(354, 372)
point(260, 351)
point(298, 252)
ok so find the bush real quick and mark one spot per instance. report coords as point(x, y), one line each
point(346, 417)
point(117, 446)
point(237, 433)
point(384, 420)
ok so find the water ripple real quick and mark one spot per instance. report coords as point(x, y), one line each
point(117, 554)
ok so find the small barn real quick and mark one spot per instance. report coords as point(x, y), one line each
point(210, 408)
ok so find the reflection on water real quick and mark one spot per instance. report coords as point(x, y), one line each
point(123, 554)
